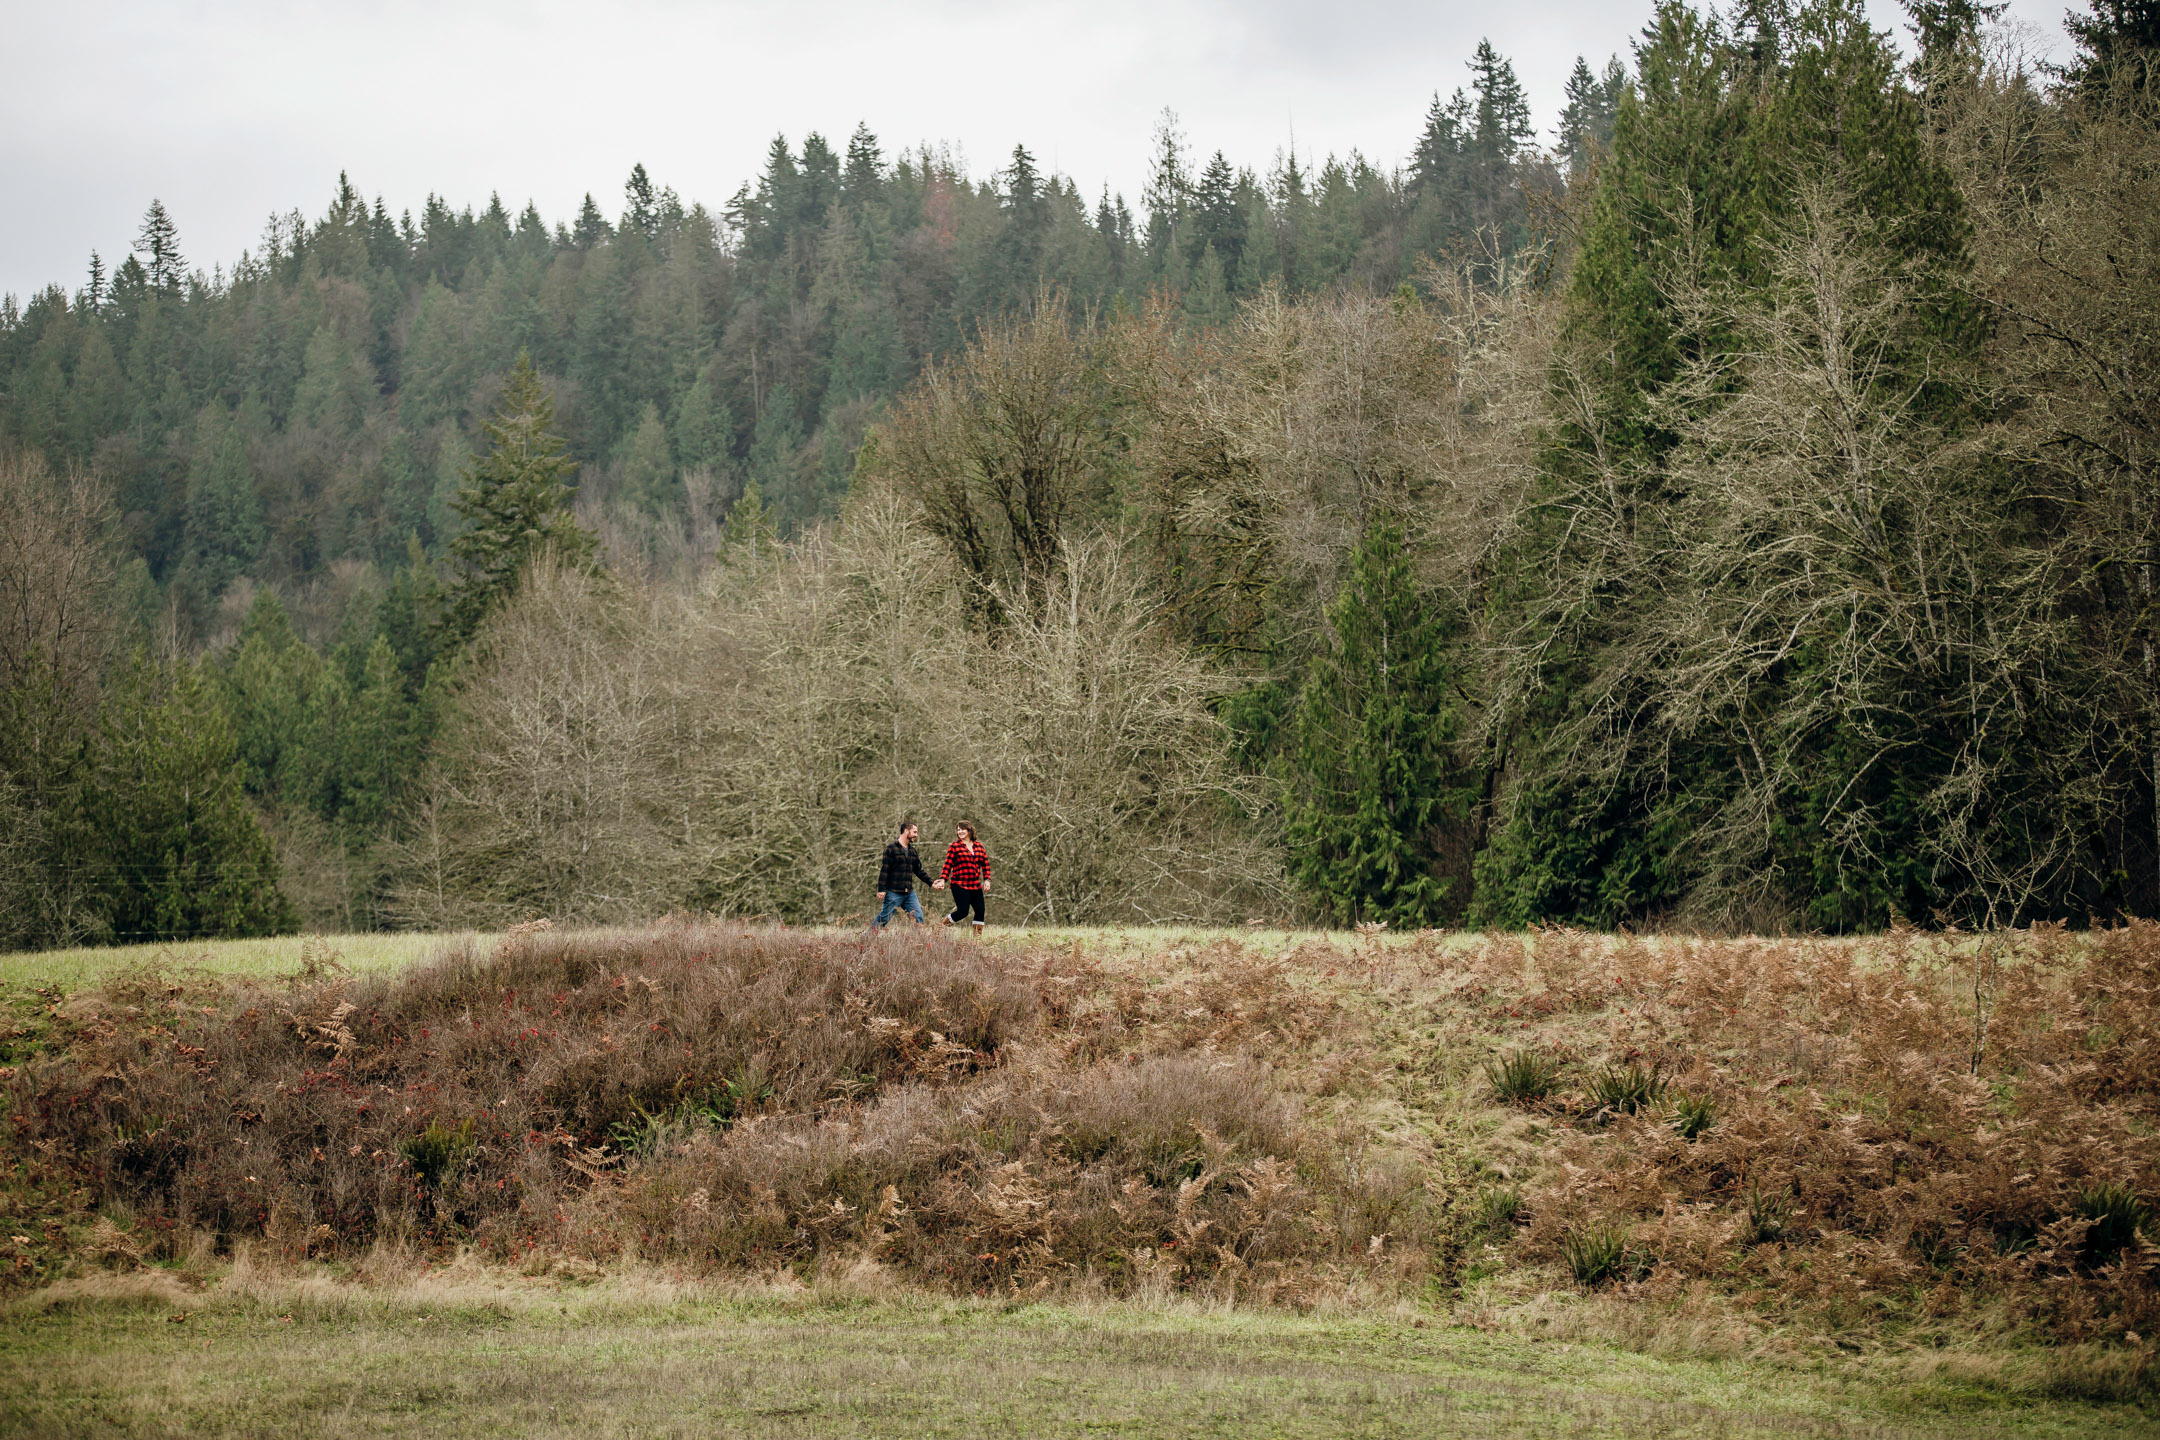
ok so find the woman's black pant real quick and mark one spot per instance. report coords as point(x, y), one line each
point(963, 900)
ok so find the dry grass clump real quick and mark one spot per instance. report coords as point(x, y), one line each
point(722, 1096)
point(1906, 1129)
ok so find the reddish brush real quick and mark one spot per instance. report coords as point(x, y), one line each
point(1922, 1113)
point(725, 1096)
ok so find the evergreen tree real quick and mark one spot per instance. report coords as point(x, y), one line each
point(2118, 41)
point(776, 460)
point(1207, 300)
point(818, 185)
point(1942, 30)
point(1433, 163)
point(641, 205)
point(1373, 791)
point(1586, 119)
point(178, 852)
point(159, 244)
point(224, 531)
point(705, 424)
point(1500, 123)
point(411, 616)
point(750, 532)
point(515, 504)
point(863, 179)
point(1167, 196)
point(270, 678)
point(381, 749)
point(645, 474)
point(1020, 239)
point(592, 227)
point(1219, 211)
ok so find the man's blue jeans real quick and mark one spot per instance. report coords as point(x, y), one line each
point(898, 900)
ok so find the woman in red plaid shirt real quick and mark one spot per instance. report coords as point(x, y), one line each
point(967, 870)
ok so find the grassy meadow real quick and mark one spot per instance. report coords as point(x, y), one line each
point(716, 1179)
point(463, 1355)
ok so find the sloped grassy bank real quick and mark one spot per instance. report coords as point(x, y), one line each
point(1913, 1146)
point(717, 1096)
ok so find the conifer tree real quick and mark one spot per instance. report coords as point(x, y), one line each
point(592, 227)
point(1373, 788)
point(1501, 120)
point(1219, 211)
point(750, 532)
point(179, 853)
point(270, 678)
point(1440, 146)
point(224, 531)
point(2118, 42)
point(641, 205)
point(515, 504)
point(864, 175)
point(1167, 196)
point(159, 244)
point(704, 424)
point(1586, 119)
point(1942, 29)
point(1207, 300)
point(775, 454)
point(646, 477)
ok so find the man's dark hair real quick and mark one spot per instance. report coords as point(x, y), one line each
point(906, 825)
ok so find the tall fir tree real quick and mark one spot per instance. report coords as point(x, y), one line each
point(178, 852)
point(158, 242)
point(1374, 790)
point(776, 460)
point(1586, 117)
point(2118, 43)
point(515, 504)
point(224, 527)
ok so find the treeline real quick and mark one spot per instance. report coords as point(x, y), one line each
point(311, 409)
point(1742, 516)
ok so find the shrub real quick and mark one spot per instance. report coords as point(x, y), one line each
point(1765, 1217)
point(1595, 1254)
point(1521, 1077)
point(1499, 1211)
point(1693, 1116)
point(716, 1096)
point(2117, 1215)
point(1625, 1090)
point(438, 1152)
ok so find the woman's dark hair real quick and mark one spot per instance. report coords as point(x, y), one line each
point(969, 826)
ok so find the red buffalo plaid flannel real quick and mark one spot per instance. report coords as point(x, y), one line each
point(967, 867)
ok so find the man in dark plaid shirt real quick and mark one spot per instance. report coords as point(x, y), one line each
point(896, 878)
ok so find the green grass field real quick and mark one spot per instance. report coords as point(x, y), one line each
point(389, 950)
point(627, 1359)
point(279, 954)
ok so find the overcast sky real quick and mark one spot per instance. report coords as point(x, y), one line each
point(230, 109)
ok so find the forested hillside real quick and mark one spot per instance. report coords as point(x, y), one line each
point(1739, 513)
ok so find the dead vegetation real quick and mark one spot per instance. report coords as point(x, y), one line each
point(720, 1096)
point(1914, 1131)
point(1913, 1141)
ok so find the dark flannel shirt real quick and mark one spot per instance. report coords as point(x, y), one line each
point(967, 867)
point(899, 869)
